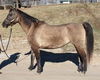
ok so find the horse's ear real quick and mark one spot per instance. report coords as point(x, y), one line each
point(12, 8)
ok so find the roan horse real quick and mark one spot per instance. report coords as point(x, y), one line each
point(41, 35)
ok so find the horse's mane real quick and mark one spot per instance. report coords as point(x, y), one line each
point(27, 18)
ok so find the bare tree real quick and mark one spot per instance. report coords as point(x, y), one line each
point(36, 2)
point(17, 3)
point(82, 1)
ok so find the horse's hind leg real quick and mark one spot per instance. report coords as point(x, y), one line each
point(83, 65)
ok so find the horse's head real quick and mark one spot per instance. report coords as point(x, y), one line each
point(11, 19)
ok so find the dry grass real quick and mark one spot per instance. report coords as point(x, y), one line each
point(60, 14)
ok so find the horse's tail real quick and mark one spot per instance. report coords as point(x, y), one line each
point(89, 40)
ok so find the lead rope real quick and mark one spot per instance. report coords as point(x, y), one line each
point(9, 39)
point(4, 50)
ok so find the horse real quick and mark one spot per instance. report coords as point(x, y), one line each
point(42, 35)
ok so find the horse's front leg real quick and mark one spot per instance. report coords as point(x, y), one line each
point(38, 59)
point(31, 67)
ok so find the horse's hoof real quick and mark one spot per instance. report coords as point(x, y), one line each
point(39, 71)
point(31, 68)
point(85, 70)
point(80, 69)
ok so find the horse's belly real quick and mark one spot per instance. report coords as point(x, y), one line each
point(52, 43)
point(52, 38)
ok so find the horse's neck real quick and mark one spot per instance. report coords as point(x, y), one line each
point(24, 26)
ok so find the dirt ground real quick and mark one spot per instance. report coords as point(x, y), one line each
point(56, 66)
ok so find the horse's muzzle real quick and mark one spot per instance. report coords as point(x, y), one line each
point(5, 25)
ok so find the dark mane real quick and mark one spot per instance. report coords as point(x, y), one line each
point(27, 18)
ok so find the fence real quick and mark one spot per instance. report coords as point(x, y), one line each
point(29, 3)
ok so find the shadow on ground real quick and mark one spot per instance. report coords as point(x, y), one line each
point(45, 57)
point(57, 57)
point(12, 59)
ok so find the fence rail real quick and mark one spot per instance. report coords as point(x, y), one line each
point(29, 3)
